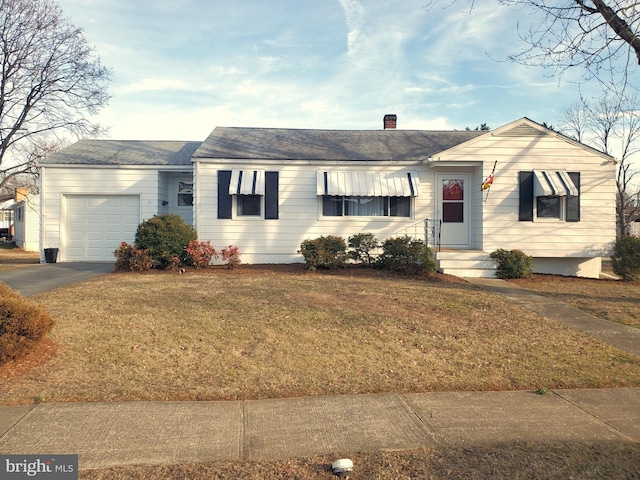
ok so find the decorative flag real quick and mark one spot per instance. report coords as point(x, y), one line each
point(487, 183)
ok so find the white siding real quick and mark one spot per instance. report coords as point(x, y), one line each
point(277, 241)
point(57, 182)
point(592, 236)
point(27, 224)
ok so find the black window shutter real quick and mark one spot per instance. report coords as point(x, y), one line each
point(271, 195)
point(573, 201)
point(224, 199)
point(525, 184)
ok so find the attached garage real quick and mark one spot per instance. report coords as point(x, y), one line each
point(94, 225)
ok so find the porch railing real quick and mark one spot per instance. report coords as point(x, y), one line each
point(432, 233)
point(427, 230)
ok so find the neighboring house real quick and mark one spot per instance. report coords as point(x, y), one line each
point(26, 221)
point(266, 190)
point(6, 217)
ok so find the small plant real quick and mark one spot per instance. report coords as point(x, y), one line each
point(165, 236)
point(324, 252)
point(231, 255)
point(403, 254)
point(123, 257)
point(130, 258)
point(626, 258)
point(361, 246)
point(201, 253)
point(23, 324)
point(140, 260)
point(512, 263)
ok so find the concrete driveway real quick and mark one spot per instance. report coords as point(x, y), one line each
point(47, 276)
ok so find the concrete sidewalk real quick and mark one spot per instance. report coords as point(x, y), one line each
point(155, 433)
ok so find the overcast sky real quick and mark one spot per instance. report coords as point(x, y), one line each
point(183, 67)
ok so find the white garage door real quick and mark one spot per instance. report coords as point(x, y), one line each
point(96, 224)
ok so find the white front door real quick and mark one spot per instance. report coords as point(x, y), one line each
point(454, 192)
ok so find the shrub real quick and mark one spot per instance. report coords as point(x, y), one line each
point(165, 236)
point(324, 252)
point(22, 324)
point(130, 258)
point(626, 258)
point(362, 244)
point(201, 253)
point(403, 254)
point(231, 255)
point(512, 263)
point(123, 256)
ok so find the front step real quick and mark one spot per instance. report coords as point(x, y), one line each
point(466, 263)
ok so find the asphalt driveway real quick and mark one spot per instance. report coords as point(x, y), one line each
point(47, 276)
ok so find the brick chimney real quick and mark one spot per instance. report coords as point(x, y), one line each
point(21, 194)
point(390, 121)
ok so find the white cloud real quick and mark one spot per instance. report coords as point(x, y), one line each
point(154, 84)
point(354, 13)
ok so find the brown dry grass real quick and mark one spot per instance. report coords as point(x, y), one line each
point(609, 299)
point(12, 257)
point(265, 333)
point(260, 333)
point(613, 461)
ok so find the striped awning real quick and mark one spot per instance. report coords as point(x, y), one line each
point(368, 184)
point(247, 182)
point(553, 184)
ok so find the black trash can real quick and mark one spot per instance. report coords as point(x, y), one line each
point(51, 255)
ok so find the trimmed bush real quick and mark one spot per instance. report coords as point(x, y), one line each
point(130, 258)
point(201, 253)
point(403, 254)
point(324, 252)
point(361, 246)
point(512, 263)
point(231, 255)
point(626, 258)
point(22, 324)
point(165, 236)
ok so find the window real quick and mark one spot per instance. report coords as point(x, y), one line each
point(185, 194)
point(249, 205)
point(255, 192)
point(360, 206)
point(549, 207)
point(548, 195)
point(367, 194)
point(453, 200)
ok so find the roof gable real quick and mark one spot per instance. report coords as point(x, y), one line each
point(339, 145)
point(525, 127)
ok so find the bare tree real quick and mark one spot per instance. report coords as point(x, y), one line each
point(50, 83)
point(612, 124)
point(600, 36)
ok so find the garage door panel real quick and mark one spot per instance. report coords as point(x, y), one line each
point(96, 224)
point(131, 220)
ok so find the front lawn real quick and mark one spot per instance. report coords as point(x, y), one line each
point(613, 300)
point(266, 333)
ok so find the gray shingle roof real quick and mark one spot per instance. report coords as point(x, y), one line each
point(124, 152)
point(355, 145)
